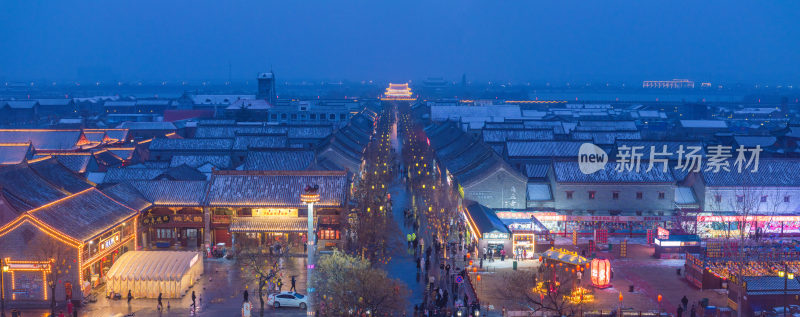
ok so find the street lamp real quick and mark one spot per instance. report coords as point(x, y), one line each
point(786, 275)
point(310, 196)
point(3, 289)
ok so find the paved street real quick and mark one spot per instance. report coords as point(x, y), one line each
point(219, 293)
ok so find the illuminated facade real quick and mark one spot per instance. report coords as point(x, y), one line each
point(398, 92)
point(63, 244)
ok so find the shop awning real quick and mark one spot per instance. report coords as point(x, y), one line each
point(565, 256)
point(270, 224)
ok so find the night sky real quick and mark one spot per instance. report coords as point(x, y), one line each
point(718, 41)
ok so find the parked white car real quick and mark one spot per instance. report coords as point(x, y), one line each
point(288, 299)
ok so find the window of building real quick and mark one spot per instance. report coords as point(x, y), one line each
point(283, 116)
point(313, 116)
point(615, 195)
point(591, 194)
point(333, 116)
point(739, 198)
point(569, 194)
point(274, 116)
point(639, 195)
point(661, 195)
point(165, 233)
point(718, 198)
point(294, 116)
point(342, 116)
point(764, 198)
point(786, 198)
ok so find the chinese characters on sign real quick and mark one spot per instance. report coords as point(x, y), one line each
point(690, 158)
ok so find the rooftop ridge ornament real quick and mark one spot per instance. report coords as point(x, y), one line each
point(398, 92)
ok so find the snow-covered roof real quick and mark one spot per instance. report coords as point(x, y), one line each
point(539, 192)
point(704, 124)
point(543, 148)
point(684, 196)
point(569, 172)
point(218, 99)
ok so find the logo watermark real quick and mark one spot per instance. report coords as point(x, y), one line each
point(591, 158)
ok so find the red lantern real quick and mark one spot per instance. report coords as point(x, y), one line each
point(601, 273)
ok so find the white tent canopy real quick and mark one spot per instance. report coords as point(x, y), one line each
point(148, 273)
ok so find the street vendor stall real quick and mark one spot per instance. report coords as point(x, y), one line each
point(150, 273)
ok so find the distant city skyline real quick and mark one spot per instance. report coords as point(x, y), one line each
point(623, 40)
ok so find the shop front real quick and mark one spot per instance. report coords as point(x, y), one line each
point(183, 230)
point(69, 244)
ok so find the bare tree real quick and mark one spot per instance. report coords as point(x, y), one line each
point(60, 257)
point(542, 293)
point(351, 286)
point(258, 265)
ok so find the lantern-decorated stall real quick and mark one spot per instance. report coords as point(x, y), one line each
point(600, 270)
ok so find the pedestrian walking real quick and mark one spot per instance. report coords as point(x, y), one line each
point(502, 255)
point(246, 306)
point(693, 312)
point(60, 313)
point(280, 285)
point(680, 311)
point(447, 269)
point(293, 281)
point(684, 301)
point(160, 305)
point(69, 308)
point(194, 303)
point(129, 297)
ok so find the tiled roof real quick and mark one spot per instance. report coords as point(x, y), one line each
point(539, 192)
point(606, 126)
point(672, 147)
point(706, 124)
point(275, 188)
point(309, 132)
point(485, 219)
point(172, 193)
point(125, 174)
point(76, 162)
point(492, 135)
point(771, 172)
point(43, 140)
point(69, 215)
point(54, 102)
point(270, 224)
point(28, 189)
point(127, 195)
point(569, 172)
point(546, 149)
point(59, 176)
point(605, 137)
point(219, 161)
point(230, 131)
point(160, 144)
point(125, 153)
point(684, 196)
point(245, 142)
point(536, 170)
point(14, 153)
point(166, 126)
point(21, 104)
point(278, 160)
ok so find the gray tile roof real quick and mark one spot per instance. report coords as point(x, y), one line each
point(28, 189)
point(543, 149)
point(495, 135)
point(14, 153)
point(278, 160)
point(485, 218)
point(309, 132)
point(569, 172)
point(125, 174)
point(219, 161)
point(771, 172)
point(160, 144)
point(172, 193)
point(70, 217)
point(539, 192)
point(275, 188)
point(166, 126)
point(43, 140)
point(245, 142)
point(230, 131)
point(59, 176)
point(127, 195)
point(536, 170)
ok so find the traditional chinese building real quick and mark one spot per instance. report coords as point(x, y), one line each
point(398, 92)
point(71, 242)
point(264, 207)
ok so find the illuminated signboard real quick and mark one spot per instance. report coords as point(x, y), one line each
point(108, 242)
point(274, 212)
point(495, 235)
point(662, 234)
